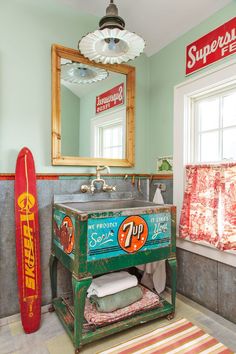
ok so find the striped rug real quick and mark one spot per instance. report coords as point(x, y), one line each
point(178, 337)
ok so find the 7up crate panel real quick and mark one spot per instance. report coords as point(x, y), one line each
point(115, 236)
point(64, 231)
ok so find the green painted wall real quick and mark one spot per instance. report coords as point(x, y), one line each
point(70, 122)
point(27, 30)
point(167, 69)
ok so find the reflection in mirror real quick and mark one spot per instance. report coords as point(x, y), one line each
point(92, 113)
point(79, 73)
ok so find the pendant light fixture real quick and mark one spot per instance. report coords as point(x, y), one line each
point(111, 44)
point(79, 73)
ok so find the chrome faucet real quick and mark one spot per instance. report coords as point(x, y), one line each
point(105, 187)
point(101, 168)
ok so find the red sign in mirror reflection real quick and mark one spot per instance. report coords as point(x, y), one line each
point(111, 98)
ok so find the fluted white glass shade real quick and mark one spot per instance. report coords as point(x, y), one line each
point(111, 46)
point(78, 73)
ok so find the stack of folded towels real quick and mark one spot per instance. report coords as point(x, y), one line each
point(114, 291)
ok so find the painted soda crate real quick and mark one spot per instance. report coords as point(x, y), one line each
point(89, 243)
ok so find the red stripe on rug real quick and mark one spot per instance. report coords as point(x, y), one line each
point(200, 347)
point(153, 344)
point(158, 338)
point(180, 342)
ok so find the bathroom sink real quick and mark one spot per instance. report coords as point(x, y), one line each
point(110, 228)
point(100, 205)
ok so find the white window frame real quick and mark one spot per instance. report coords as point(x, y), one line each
point(116, 116)
point(219, 94)
point(220, 77)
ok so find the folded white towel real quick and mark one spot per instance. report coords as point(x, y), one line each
point(112, 283)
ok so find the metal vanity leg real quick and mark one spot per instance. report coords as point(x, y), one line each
point(53, 276)
point(172, 264)
point(80, 287)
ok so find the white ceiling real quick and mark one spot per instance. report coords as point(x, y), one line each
point(159, 22)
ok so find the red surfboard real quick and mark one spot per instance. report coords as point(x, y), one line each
point(27, 242)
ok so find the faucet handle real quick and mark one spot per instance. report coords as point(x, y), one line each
point(107, 188)
point(84, 188)
point(90, 189)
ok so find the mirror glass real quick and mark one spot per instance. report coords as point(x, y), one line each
point(92, 111)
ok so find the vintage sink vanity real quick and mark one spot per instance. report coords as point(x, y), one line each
point(87, 240)
point(97, 233)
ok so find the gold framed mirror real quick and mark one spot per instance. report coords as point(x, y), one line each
point(92, 122)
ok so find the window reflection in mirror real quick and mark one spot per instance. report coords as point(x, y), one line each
point(108, 135)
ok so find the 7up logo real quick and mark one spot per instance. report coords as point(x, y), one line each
point(132, 234)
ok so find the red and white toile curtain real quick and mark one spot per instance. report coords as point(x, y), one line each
point(209, 206)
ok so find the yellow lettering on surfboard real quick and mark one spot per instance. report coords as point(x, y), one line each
point(26, 201)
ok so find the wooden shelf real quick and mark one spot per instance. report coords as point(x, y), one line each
point(67, 318)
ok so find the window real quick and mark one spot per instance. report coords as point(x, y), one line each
point(110, 140)
point(108, 135)
point(208, 194)
point(214, 127)
point(213, 91)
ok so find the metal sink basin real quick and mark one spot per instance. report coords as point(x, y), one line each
point(100, 205)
